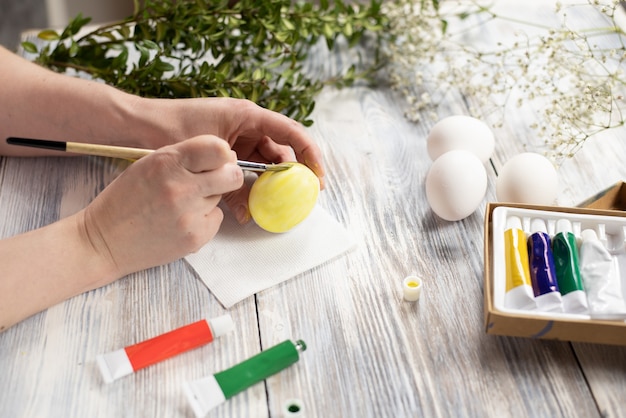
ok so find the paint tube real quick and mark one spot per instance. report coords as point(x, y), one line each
point(412, 288)
point(616, 244)
point(206, 393)
point(519, 291)
point(122, 362)
point(542, 271)
point(600, 279)
point(566, 263)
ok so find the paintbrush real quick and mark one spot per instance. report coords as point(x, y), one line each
point(121, 152)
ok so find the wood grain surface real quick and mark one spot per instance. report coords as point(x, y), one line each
point(370, 354)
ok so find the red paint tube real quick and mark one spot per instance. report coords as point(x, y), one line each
point(122, 362)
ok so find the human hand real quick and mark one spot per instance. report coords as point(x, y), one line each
point(256, 134)
point(164, 206)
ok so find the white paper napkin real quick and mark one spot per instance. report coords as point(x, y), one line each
point(243, 260)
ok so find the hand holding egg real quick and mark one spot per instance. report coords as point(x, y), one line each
point(280, 200)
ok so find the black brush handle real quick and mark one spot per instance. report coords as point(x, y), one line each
point(38, 143)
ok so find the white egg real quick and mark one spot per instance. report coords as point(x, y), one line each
point(460, 132)
point(527, 178)
point(456, 184)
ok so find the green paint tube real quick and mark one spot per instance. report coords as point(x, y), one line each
point(206, 393)
point(565, 251)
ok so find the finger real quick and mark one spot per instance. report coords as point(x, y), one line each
point(237, 202)
point(273, 152)
point(286, 131)
point(202, 153)
point(227, 178)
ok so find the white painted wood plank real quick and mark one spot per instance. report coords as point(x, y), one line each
point(48, 360)
point(372, 354)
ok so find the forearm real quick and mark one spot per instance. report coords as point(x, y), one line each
point(38, 103)
point(158, 210)
point(43, 267)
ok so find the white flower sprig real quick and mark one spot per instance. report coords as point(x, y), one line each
point(569, 74)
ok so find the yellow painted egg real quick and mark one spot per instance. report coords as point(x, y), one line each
point(280, 200)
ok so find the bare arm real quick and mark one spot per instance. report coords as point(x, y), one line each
point(39, 103)
point(170, 197)
point(170, 210)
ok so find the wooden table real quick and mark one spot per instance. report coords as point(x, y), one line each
point(370, 354)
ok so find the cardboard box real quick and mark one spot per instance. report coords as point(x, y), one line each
point(605, 208)
point(613, 198)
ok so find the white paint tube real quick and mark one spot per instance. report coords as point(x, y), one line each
point(601, 279)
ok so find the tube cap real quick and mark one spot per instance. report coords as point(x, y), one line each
point(563, 225)
point(601, 231)
point(412, 288)
point(513, 222)
point(221, 325)
point(538, 225)
point(589, 235)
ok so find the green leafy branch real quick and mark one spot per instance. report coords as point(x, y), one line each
point(206, 48)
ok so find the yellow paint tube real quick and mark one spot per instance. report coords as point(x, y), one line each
point(519, 291)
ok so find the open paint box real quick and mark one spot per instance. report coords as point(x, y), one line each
point(549, 320)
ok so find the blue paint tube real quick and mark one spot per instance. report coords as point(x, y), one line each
point(601, 279)
point(542, 270)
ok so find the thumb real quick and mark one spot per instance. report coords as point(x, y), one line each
point(237, 202)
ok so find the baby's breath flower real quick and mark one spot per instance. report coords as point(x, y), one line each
point(575, 86)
